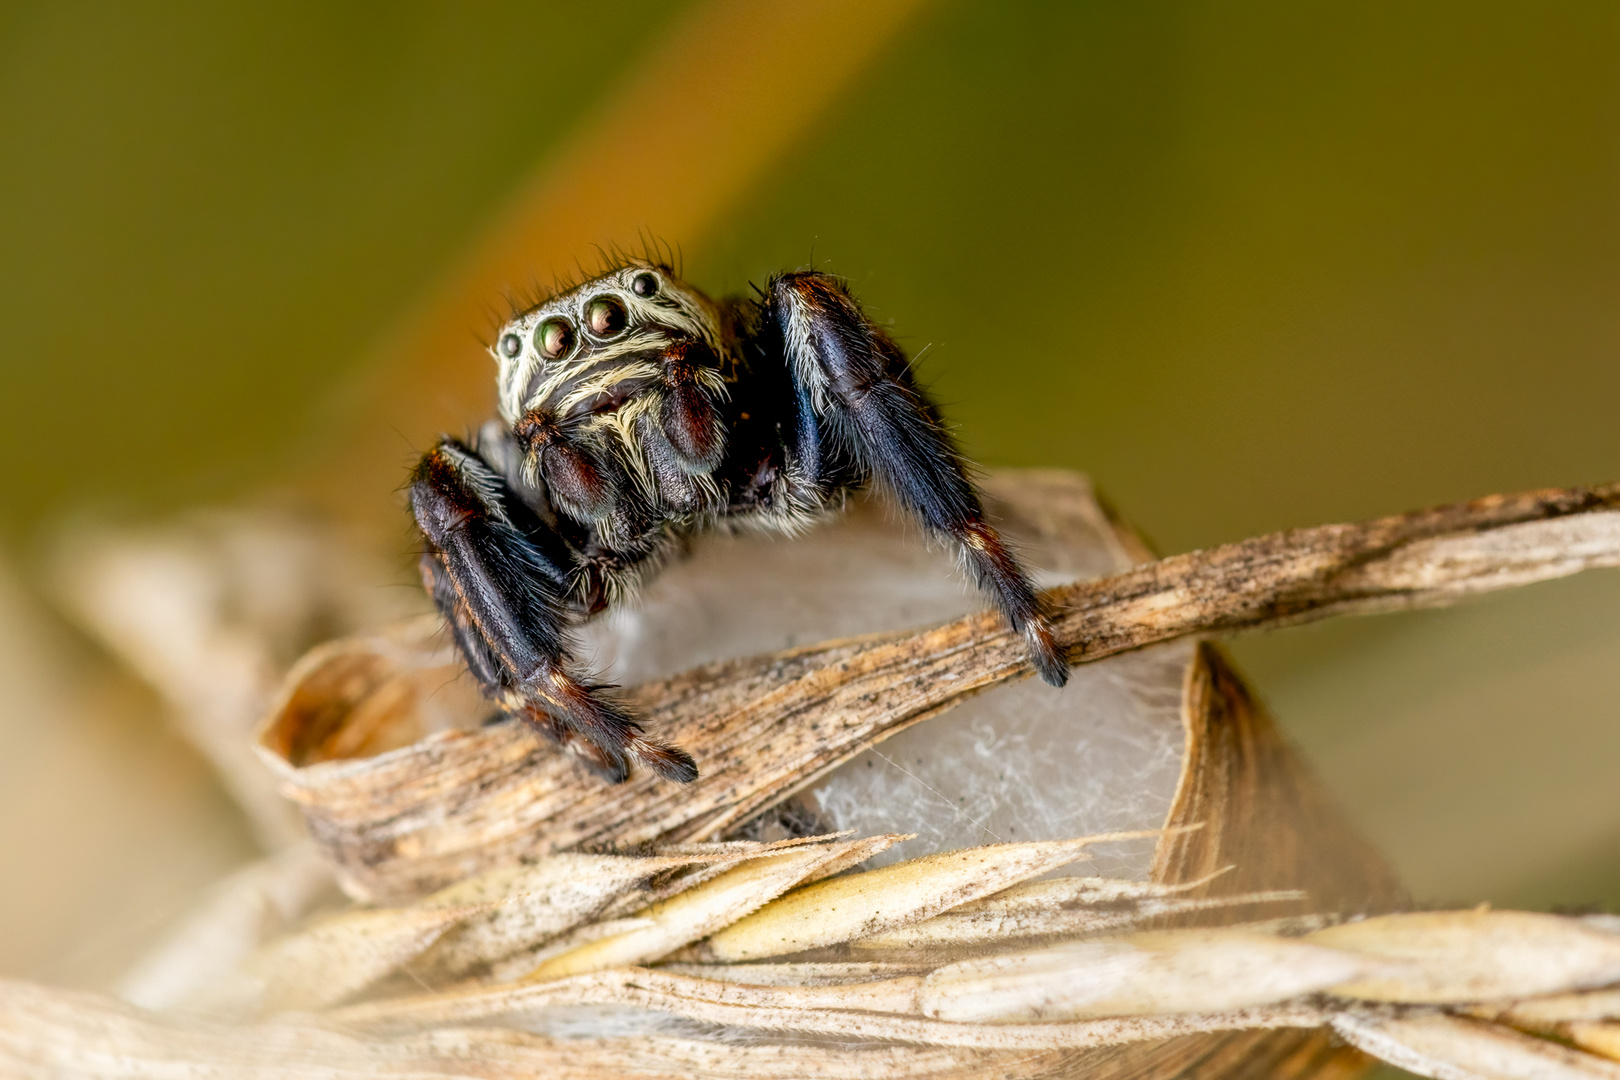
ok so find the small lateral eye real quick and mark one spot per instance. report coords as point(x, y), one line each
point(553, 338)
point(644, 285)
point(511, 345)
point(605, 317)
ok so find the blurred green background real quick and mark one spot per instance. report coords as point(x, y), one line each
point(1249, 266)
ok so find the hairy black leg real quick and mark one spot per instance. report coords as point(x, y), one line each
point(481, 662)
point(506, 603)
point(492, 677)
point(862, 404)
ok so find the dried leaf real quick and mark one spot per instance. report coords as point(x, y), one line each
point(1161, 973)
point(341, 955)
point(1597, 1037)
point(955, 929)
point(48, 1033)
point(823, 973)
point(405, 821)
point(858, 1011)
point(725, 855)
point(699, 911)
point(1452, 1048)
point(742, 849)
point(1560, 1008)
point(859, 905)
point(1461, 956)
point(522, 907)
point(1073, 891)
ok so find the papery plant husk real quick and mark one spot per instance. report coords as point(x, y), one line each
point(458, 801)
point(470, 933)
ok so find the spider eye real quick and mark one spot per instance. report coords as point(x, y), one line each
point(511, 345)
point(645, 285)
point(553, 338)
point(605, 317)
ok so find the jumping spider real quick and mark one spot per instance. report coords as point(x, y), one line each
point(635, 410)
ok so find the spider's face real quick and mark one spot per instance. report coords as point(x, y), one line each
point(590, 350)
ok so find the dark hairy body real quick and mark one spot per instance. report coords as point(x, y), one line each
point(635, 411)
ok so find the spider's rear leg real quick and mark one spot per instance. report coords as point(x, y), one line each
point(504, 600)
point(866, 408)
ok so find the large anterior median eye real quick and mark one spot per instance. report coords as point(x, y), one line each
point(553, 338)
point(605, 317)
point(511, 345)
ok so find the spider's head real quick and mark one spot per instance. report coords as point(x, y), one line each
point(594, 347)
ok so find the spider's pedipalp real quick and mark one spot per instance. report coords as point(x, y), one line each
point(580, 473)
point(675, 485)
point(689, 413)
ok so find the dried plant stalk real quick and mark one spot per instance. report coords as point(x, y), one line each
point(1423, 559)
point(1558, 1009)
point(408, 821)
point(58, 1033)
point(1477, 955)
point(1204, 976)
point(1187, 971)
point(773, 724)
point(870, 1011)
point(1135, 991)
point(949, 966)
point(1454, 1048)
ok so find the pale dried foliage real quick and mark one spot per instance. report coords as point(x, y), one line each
point(620, 933)
point(411, 989)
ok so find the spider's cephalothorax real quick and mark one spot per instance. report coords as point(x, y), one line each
point(635, 409)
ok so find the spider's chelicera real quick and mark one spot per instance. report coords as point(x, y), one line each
point(634, 410)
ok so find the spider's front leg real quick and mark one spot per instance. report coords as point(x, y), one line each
point(857, 401)
point(505, 600)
